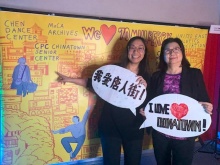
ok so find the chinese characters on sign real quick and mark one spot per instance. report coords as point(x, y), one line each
point(108, 80)
point(118, 86)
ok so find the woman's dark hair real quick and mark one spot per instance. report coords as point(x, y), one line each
point(162, 64)
point(143, 66)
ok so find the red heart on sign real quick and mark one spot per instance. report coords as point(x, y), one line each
point(179, 111)
point(108, 32)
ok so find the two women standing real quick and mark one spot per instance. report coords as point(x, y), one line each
point(120, 127)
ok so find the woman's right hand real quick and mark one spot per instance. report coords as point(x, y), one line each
point(62, 78)
point(78, 81)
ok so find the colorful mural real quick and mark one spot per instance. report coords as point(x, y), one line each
point(75, 47)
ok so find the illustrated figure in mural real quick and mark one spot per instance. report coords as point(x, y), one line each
point(21, 78)
point(176, 76)
point(78, 131)
point(119, 126)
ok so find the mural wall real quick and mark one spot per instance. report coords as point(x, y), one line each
point(37, 112)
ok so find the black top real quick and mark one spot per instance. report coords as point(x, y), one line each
point(191, 84)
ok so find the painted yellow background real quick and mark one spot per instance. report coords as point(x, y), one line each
point(74, 47)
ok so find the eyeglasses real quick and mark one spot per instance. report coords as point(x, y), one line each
point(174, 50)
point(133, 48)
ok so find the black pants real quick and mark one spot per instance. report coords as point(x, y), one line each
point(111, 148)
point(119, 127)
point(172, 151)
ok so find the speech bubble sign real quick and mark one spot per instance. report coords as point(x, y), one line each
point(176, 115)
point(118, 86)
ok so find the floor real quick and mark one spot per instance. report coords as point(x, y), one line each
point(206, 154)
point(203, 155)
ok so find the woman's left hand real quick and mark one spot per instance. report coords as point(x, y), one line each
point(141, 80)
point(207, 106)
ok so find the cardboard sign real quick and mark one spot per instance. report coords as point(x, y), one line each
point(215, 29)
point(118, 86)
point(176, 115)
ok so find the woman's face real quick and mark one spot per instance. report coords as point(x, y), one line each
point(136, 51)
point(173, 54)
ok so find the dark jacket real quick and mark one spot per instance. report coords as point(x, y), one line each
point(191, 84)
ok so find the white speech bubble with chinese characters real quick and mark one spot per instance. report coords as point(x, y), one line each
point(176, 115)
point(118, 86)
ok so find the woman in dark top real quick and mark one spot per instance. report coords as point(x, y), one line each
point(119, 126)
point(176, 76)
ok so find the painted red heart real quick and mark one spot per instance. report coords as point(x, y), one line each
point(108, 32)
point(180, 110)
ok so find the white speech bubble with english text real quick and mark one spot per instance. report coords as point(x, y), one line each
point(118, 86)
point(176, 115)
